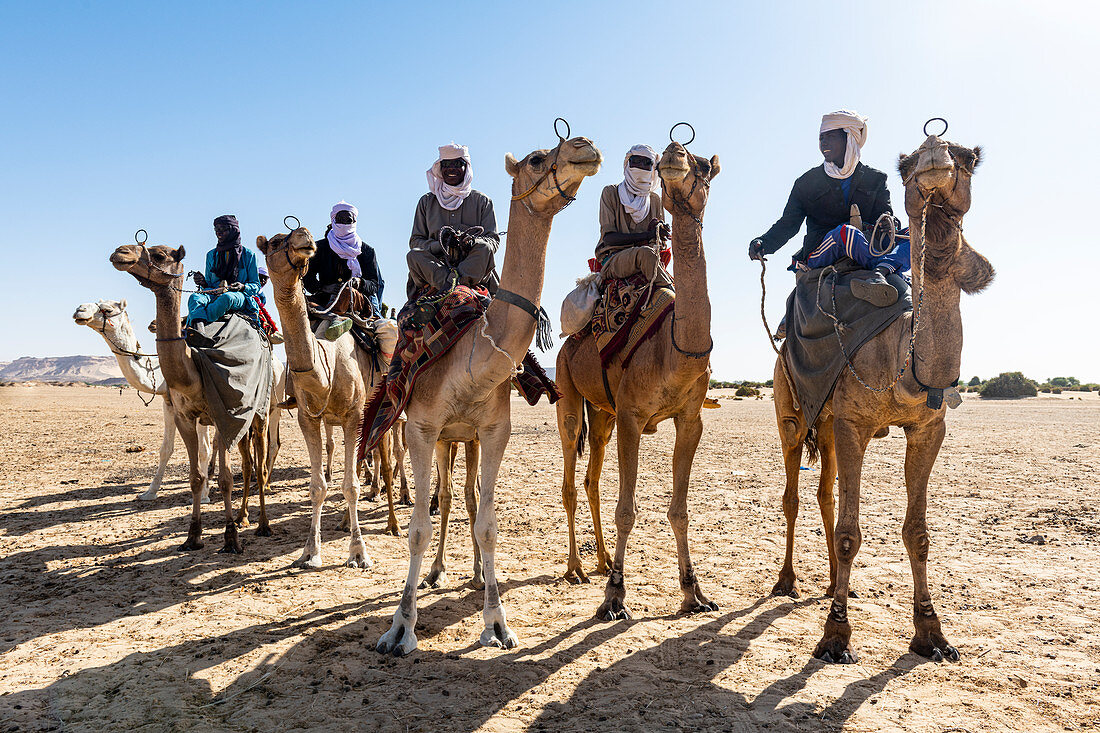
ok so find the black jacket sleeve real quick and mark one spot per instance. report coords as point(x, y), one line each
point(788, 225)
point(881, 204)
point(371, 283)
point(311, 283)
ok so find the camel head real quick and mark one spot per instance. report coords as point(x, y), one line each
point(95, 315)
point(937, 179)
point(541, 179)
point(287, 255)
point(154, 267)
point(685, 179)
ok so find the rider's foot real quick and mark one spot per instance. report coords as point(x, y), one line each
point(337, 327)
point(875, 290)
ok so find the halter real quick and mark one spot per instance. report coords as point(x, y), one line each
point(119, 351)
point(696, 172)
point(551, 172)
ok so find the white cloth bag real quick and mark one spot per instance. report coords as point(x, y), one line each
point(580, 304)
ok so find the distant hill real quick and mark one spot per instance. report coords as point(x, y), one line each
point(61, 369)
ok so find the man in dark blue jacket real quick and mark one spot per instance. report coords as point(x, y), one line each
point(840, 201)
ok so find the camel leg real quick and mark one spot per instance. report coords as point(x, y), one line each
point(274, 440)
point(922, 447)
point(167, 446)
point(211, 462)
point(791, 434)
point(260, 447)
point(330, 449)
point(245, 448)
point(205, 461)
point(225, 483)
point(851, 444)
point(570, 427)
point(444, 460)
point(318, 489)
point(399, 449)
point(629, 440)
point(189, 432)
point(373, 467)
point(494, 439)
point(384, 465)
point(473, 461)
point(600, 426)
point(401, 637)
point(827, 451)
point(357, 550)
point(689, 429)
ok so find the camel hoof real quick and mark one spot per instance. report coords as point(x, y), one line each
point(433, 579)
point(613, 611)
point(191, 544)
point(405, 500)
point(372, 497)
point(500, 637)
point(576, 575)
point(328, 476)
point(232, 547)
point(264, 530)
point(241, 521)
point(830, 655)
point(398, 641)
point(603, 568)
point(394, 530)
point(149, 495)
point(477, 583)
point(358, 561)
point(935, 653)
point(698, 607)
point(205, 498)
point(307, 561)
point(786, 588)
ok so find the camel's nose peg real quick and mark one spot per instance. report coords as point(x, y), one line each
point(141, 237)
point(936, 119)
point(567, 129)
point(671, 133)
point(297, 222)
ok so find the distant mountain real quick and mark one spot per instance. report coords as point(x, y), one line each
point(60, 369)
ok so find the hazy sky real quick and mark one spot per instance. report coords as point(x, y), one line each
point(163, 116)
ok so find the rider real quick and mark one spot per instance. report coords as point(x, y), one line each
point(841, 201)
point(632, 226)
point(452, 202)
point(231, 266)
point(343, 258)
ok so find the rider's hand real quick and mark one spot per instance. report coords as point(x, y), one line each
point(199, 278)
point(234, 287)
point(756, 250)
point(664, 231)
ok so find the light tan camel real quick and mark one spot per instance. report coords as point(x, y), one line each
point(332, 380)
point(666, 378)
point(465, 394)
point(161, 270)
point(937, 186)
point(108, 318)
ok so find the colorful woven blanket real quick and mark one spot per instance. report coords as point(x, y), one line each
point(418, 347)
point(625, 316)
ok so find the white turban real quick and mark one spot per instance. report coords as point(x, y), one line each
point(451, 197)
point(638, 184)
point(344, 240)
point(856, 127)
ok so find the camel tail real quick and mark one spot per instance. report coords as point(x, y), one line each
point(810, 442)
point(584, 428)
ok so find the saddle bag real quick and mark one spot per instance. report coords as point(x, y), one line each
point(580, 304)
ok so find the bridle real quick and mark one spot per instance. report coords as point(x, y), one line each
point(697, 177)
point(119, 351)
point(551, 172)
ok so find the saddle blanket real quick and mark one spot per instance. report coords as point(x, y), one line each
point(418, 347)
point(627, 315)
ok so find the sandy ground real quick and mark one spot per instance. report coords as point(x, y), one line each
point(106, 626)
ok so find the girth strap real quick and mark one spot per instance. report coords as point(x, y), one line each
point(543, 337)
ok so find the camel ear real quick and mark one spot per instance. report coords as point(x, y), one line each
point(261, 244)
point(179, 254)
point(715, 167)
point(122, 304)
point(511, 165)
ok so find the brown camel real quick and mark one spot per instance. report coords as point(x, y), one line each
point(161, 270)
point(331, 385)
point(937, 195)
point(667, 377)
point(397, 469)
point(466, 393)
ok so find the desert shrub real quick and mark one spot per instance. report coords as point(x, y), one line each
point(1064, 382)
point(1056, 390)
point(1009, 385)
point(770, 383)
point(746, 391)
point(1045, 389)
point(975, 382)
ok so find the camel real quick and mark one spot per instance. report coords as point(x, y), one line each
point(109, 319)
point(331, 385)
point(667, 377)
point(444, 473)
point(465, 394)
point(160, 269)
point(937, 194)
point(398, 468)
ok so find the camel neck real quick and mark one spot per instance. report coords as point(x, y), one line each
point(142, 372)
point(691, 312)
point(937, 351)
point(522, 273)
point(172, 351)
point(299, 338)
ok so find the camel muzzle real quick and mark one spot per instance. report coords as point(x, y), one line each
point(934, 168)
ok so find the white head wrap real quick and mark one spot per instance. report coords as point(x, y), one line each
point(451, 197)
point(856, 127)
point(638, 184)
point(344, 240)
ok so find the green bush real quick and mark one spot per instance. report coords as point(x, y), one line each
point(1056, 390)
point(1009, 385)
point(975, 382)
point(746, 391)
point(1045, 389)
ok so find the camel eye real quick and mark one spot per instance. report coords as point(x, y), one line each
point(536, 161)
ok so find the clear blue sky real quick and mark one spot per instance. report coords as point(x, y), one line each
point(163, 116)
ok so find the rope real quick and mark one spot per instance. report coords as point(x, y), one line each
point(768, 330)
point(515, 365)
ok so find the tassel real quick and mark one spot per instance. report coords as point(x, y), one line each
point(543, 334)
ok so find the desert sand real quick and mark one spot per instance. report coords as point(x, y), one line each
point(106, 626)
